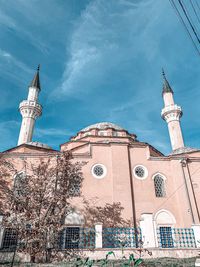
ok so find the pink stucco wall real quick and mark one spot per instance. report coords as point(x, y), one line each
point(120, 155)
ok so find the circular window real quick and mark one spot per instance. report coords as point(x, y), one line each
point(140, 172)
point(98, 171)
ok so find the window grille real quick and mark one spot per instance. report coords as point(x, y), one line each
point(169, 237)
point(159, 186)
point(166, 240)
point(69, 238)
point(72, 236)
point(139, 171)
point(98, 170)
point(76, 238)
point(9, 239)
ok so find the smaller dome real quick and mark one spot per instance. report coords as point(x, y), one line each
point(38, 144)
point(102, 126)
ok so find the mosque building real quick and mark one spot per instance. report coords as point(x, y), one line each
point(159, 193)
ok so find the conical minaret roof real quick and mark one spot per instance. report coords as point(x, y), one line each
point(166, 86)
point(36, 80)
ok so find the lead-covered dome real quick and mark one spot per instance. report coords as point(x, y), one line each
point(102, 126)
point(103, 130)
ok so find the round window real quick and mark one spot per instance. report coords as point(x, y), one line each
point(140, 172)
point(98, 171)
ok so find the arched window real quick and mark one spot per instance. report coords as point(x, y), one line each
point(72, 236)
point(159, 185)
point(19, 183)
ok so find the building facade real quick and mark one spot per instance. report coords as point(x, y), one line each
point(158, 193)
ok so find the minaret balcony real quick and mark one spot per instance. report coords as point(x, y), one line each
point(171, 112)
point(30, 103)
point(30, 108)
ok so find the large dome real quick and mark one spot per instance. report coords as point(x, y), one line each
point(102, 126)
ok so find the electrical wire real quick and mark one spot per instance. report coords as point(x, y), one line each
point(190, 16)
point(189, 21)
point(193, 7)
point(184, 24)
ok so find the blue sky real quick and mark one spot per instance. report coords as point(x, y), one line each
point(100, 61)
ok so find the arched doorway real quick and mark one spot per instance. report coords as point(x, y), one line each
point(71, 233)
point(165, 221)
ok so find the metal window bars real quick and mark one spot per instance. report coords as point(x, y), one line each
point(126, 237)
point(159, 185)
point(77, 238)
point(169, 237)
point(9, 239)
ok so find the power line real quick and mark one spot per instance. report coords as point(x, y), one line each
point(189, 21)
point(190, 16)
point(193, 7)
point(184, 24)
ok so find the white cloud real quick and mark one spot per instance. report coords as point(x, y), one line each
point(104, 39)
point(6, 21)
point(80, 59)
point(9, 20)
point(5, 54)
point(13, 68)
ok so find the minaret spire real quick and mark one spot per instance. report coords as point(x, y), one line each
point(172, 113)
point(36, 79)
point(30, 109)
point(166, 86)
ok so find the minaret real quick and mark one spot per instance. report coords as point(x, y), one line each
point(30, 109)
point(172, 113)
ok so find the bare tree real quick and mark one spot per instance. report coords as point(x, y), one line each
point(35, 204)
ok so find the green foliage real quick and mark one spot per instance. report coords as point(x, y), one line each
point(104, 262)
point(84, 262)
point(124, 262)
point(131, 261)
point(159, 262)
point(110, 253)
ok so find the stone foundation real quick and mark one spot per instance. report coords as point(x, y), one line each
point(156, 253)
point(19, 257)
point(101, 254)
